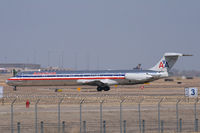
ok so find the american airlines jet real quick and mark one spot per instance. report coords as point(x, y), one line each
point(102, 79)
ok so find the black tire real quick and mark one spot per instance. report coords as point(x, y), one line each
point(107, 88)
point(99, 88)
point(14, 88)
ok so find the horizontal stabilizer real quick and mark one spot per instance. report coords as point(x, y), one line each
point(187, 55)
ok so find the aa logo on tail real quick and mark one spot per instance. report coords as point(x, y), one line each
point(163, 64)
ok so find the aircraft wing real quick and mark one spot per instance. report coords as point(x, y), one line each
point(97, 82)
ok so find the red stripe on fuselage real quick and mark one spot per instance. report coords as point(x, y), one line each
point(64, 78)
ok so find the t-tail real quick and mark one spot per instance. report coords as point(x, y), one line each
point(167, 62)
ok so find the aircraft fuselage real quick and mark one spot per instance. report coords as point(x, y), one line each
point(96, 78)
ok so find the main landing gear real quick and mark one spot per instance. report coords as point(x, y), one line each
point(105, 88)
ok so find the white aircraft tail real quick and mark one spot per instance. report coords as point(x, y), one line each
point(167, 62)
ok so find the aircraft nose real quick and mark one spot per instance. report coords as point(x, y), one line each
point(8, 82)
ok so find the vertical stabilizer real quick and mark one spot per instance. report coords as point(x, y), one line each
point(167, 62)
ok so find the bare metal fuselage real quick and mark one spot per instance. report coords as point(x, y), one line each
point(70, 78)
point(67, 82)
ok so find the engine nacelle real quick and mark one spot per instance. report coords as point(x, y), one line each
point(137, 76)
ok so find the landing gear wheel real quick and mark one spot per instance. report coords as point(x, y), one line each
point(99, 88)
point(14, 88)
point(107, 88)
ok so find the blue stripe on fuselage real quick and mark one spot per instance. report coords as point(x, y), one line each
point(73, 75)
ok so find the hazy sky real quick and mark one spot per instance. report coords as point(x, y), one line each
point(99, 34)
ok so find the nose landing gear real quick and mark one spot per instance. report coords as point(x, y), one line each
point(14, 88)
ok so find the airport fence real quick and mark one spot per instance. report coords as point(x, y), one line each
point(66, 114)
